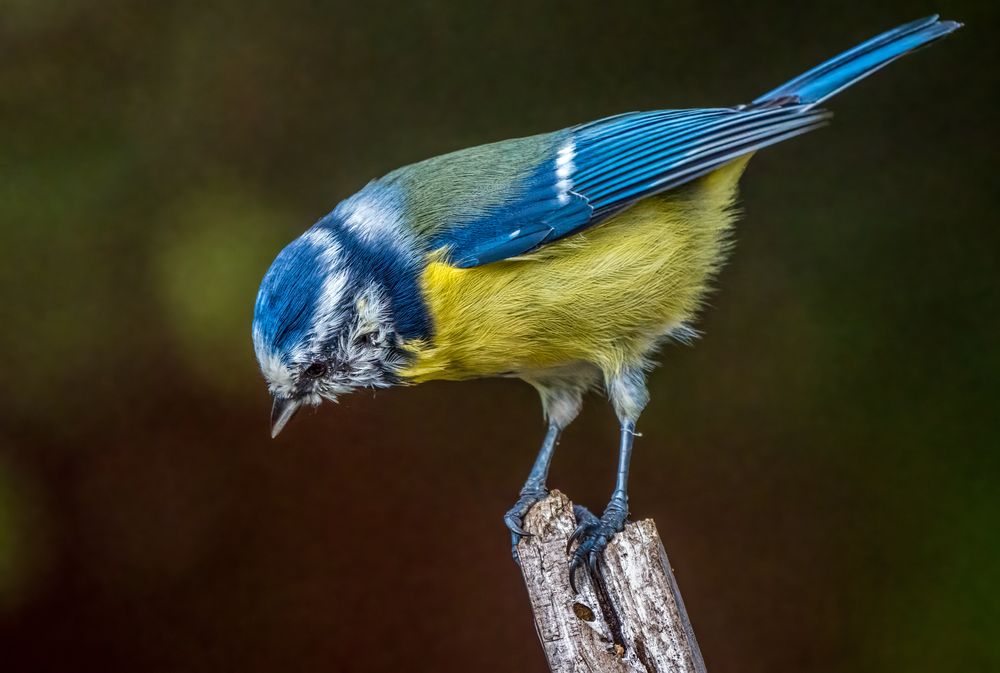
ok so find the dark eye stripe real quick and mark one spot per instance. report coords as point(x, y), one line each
point(315, 370)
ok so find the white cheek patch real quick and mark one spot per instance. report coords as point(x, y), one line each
point(374, 316)
point(366, 347)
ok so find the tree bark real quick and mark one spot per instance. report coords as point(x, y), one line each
point(630, 619)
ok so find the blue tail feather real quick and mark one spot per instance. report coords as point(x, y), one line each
point(840, 72)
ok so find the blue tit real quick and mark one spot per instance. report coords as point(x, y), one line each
point(564, 259)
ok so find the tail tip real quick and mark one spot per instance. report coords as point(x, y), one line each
point(836, 74)
point(944, 26)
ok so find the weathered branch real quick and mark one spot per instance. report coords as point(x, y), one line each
point(631, 619)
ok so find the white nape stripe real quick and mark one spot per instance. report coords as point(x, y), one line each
point(375, 216)
point(564, 169)
point(331, 249)
point(320, 237)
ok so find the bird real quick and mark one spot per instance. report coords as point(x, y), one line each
point(565, 259)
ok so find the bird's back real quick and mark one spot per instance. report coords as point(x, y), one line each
point(606, 296)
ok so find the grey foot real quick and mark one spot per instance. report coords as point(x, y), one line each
point(514, 518)
point(594, 535)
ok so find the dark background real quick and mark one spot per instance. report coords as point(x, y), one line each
point(822, 465)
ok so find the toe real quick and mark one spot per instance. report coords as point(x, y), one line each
point(593, 559)
point(593, 535)
point(514, 524)
point(578, 534)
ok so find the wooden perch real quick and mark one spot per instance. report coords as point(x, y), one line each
point(632, 619)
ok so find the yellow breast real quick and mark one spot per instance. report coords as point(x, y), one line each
point(605, 296)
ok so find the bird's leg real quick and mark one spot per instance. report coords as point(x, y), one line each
point(533, 490)
point(627, 391)
point(561, 403)
point(594, 534)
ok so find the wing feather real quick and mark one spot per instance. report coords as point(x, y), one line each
point(598, 169)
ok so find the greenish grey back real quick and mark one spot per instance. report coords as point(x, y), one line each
point(466, 184)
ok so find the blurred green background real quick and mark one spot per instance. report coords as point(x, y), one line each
point(822, 465)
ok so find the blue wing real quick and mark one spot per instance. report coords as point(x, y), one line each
point(601, 168)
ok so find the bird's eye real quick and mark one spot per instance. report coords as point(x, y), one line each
point(369, 339)
point(315, 370)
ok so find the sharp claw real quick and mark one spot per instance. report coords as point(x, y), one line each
point(573, 567)
point(514, 524)
point(577, 534)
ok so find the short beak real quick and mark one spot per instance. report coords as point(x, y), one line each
point(281, 412)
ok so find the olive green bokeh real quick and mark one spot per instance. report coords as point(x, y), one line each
point(822, 464)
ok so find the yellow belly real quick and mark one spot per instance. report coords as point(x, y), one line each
point(606, 296)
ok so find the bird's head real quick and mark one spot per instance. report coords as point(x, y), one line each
point(319, 328)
